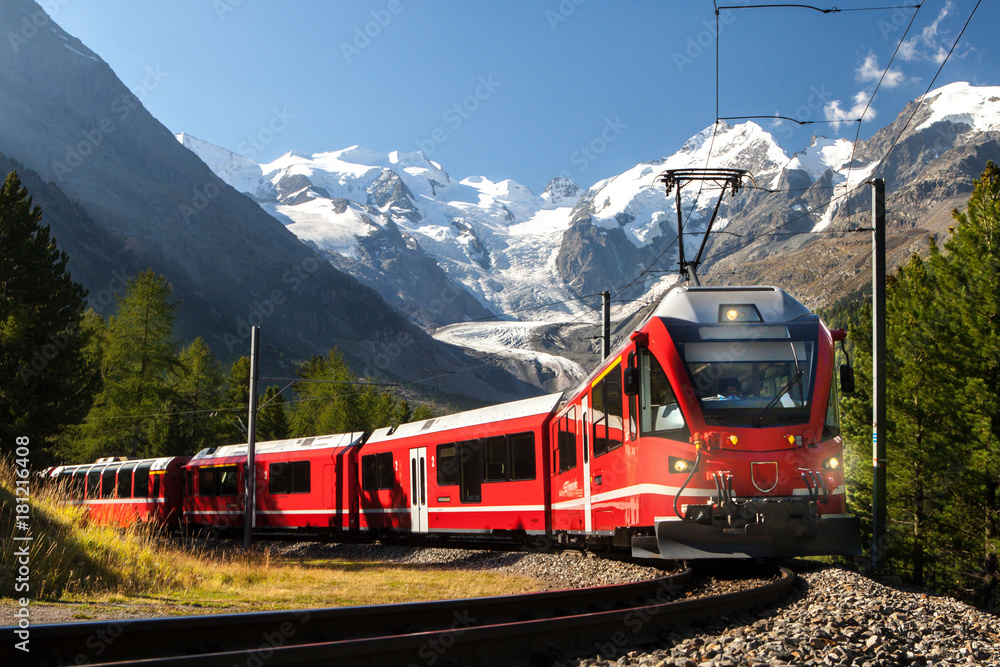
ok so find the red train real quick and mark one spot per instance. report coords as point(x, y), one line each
point(120, 492)
point(712, 432)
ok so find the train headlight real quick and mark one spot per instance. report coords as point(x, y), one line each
point(831, 463)
point(734, 439)
point(679, 465)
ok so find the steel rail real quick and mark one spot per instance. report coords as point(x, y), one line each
point(476, 631)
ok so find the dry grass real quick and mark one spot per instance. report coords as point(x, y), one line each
point(77, 562)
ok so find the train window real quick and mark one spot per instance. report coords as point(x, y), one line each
point(108, 481)
point(291, 477)
point(447, 465)
point(125, 481)
point(385, 471)
point(659, 410)
point(608, 412)
point(369, 473)
point(227, 481)
point(754, 382)
point(156, 485)
point(207, 482)
point(470, 468)
point(94, 483)
point(215, 481)
point(377, 472)
point(141, 487)
point(495, 459)
point(79, 484)
point(522, 456)
point(567, 441)
point(831, 425)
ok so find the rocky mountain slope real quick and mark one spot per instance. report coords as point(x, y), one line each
point(401, 224)
point(139, 199)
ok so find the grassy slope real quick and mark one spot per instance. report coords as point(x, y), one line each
point(73, 561)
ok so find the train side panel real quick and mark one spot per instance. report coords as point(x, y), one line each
point(125, 491)
point(479, 472)
point(305, 483)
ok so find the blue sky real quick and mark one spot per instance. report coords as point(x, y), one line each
point(520, 89)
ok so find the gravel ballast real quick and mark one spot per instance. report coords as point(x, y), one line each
point(833, 616)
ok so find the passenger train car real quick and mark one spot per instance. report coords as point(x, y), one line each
point(120, 492)
point(712, 431)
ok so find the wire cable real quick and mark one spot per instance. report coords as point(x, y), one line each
point(929, 87)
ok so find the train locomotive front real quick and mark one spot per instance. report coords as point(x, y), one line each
point(727, 443)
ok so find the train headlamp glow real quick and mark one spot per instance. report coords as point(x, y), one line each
point(679, 465)
point(739, 312)
point(831, 463)
point(734, 439)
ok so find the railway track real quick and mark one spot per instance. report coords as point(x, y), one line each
point(535, 628)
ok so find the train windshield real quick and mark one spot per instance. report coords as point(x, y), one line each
point(751, 376)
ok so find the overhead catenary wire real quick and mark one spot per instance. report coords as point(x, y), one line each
point(871, 98)
point(929, 87)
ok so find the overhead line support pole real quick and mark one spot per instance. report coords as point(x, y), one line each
point(606, 302)
point(879, 500)
point(250, 476)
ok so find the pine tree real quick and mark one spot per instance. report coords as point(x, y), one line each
point(235, 403)
point(943, 409)
point(327, 407)
point(135, 414)
point(200, 392)
point(969, 275)
point(45, 382)
point(272, 422)
point(927, 413)
point(345, 406)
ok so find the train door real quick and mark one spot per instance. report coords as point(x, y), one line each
point(418, 490)
point(585, 440)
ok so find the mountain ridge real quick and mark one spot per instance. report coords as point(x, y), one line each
point(66, 116)
point(544, 259)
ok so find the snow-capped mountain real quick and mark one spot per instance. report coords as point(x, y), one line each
point(120, 196)
point(444, 251)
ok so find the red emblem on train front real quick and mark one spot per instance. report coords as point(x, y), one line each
point(764, 475)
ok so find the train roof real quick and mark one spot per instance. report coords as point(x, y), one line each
point(275, 446)
point(160, 463)
point(494, 413)
point(703, 305)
